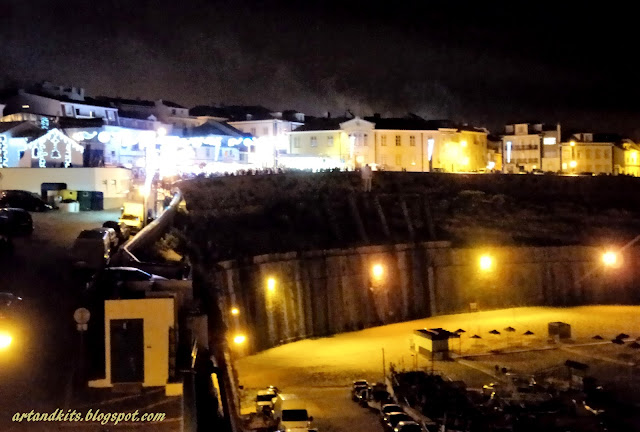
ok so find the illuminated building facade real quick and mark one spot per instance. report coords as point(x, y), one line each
point(270, 129)
point(599, 154)
point(409, 143)
point(528, 147)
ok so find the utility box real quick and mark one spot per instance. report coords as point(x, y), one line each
point(559, 330)
point(433, 342)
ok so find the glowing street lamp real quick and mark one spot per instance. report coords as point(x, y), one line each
point(271, 284)
point(235, 311)
point(239, 339)
point(377, 271)
point(5, 340)
point(486, 263)
point(609, 259)
point(573, 164)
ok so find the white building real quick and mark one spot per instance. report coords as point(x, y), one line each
point(56, 101)
point(531, 146)
point(269, 128)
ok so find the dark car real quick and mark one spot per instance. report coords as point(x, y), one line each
point(391, 420)
point(24, 200)
point(357, 388)
point(15, 221)
point(389, 408)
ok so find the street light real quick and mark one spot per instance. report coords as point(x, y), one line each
point(239, 339)
point(486, 263)
point(235, 311)
point(377, 271)
point(271, 284)
point(609, 259)
point(573, 164)
point(5, 340)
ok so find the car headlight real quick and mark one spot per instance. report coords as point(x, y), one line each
point(5, 340)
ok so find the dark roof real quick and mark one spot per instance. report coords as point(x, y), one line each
point(171, 104)
point(5, 126)
point(121, 101)
point(321, 123)
point(61, 98)
point(203, 110)
point(212, 128)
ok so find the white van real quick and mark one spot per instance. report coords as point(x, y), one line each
point(291, 414)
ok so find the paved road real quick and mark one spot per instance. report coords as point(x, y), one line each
point(39, 272)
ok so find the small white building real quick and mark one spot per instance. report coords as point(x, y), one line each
point(137, 334)
point(531, 146)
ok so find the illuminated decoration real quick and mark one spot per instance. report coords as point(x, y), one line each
point(4, 152)
point(508, 151)
point(38, 149)
point(549, 140)
point(430, 144)
point(83, 136)
point(104, 137)
point(44, 123)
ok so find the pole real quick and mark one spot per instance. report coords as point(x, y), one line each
point(384, 375)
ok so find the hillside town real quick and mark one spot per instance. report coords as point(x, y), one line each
point(124, 140)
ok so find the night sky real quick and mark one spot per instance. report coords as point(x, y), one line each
point(480, 62)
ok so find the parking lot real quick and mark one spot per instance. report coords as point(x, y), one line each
point(321, 370)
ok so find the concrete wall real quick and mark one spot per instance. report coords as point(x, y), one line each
point(324, 292)
point(159, 317)
point(114, 183)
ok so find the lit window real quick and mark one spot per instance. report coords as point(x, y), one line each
point(314, 141)
point(412, 141)
point(397, 141)
point(330, 141)
point(383, 140)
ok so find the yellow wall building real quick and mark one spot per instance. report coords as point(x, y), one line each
point(600, 154)
point(137, 334)
point(410, 143)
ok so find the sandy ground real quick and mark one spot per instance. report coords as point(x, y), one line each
point(322, 369)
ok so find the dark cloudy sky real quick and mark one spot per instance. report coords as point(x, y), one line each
point(483, 62)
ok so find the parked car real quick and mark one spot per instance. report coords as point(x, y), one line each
point(357, 387)
point(15, 221)
point(130, 277)
point(391, 420)
point(91, 250)
point(389, 408)
point(24, 200)
point(122, 231)
point(9, 320)
point(113, 236)
point(264, 401)
point(6, 244)
point(408, 426)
